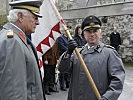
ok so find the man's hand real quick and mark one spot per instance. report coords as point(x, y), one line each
point(71, 46)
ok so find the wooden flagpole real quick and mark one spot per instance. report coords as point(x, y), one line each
point(78, 54)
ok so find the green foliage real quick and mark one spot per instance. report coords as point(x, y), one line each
point(3, 19)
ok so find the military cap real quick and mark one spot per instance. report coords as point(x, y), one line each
point(31, 5)
point(91, 22)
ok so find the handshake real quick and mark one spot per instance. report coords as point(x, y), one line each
point(71, 46)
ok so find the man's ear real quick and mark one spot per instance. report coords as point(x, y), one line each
point(20, 16)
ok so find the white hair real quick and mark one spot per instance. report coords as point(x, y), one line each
point(12, 17)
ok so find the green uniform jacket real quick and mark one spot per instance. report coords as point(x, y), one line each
point(106, 69)
point(19, 70)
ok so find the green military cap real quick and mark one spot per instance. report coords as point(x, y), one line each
point(91, 22)
point(32, 5)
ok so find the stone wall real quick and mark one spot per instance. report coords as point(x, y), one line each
point(74, 4)
point(124, 23)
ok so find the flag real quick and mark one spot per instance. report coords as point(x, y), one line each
point(47, 31)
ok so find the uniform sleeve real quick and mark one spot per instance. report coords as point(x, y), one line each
point(65, 63)
point(13, 85)
point(116, 76)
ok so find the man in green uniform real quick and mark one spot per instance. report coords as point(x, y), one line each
point(102, 61)
point(20, 77)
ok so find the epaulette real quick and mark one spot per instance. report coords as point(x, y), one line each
point(10, 33)
point(109, 46)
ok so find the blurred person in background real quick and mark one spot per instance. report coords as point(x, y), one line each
point(115, 39)
point(78, 37)
point(64, 78)
point(49, 63)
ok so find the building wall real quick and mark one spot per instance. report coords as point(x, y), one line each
point(74, 4)
point(124, 23)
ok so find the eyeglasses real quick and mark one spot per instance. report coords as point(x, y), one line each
point(91, 30)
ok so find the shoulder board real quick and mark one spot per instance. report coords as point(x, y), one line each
point(109, 46)
point(10, 33)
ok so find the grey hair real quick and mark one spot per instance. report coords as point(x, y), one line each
point(12, 17)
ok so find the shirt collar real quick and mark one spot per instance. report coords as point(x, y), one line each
point(89, 46)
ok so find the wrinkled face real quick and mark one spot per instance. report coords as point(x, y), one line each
point(28, 22)
point(92, 36)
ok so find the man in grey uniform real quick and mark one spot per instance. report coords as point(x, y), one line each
point(20, 77)
point(102, 61)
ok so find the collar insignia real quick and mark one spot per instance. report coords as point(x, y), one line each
point(22, 36)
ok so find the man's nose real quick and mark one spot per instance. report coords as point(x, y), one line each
point(37, 22)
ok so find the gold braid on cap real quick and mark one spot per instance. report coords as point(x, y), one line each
point(31, 8)
point(94, 26)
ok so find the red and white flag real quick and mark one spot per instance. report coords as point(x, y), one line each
point(47, 31)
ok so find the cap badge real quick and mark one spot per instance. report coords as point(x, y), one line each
point(91, 17)
point(92, 24)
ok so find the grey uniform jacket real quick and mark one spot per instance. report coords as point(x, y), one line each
point(105, 67)
point(19, 70)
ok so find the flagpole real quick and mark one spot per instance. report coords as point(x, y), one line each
point(78, 54)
